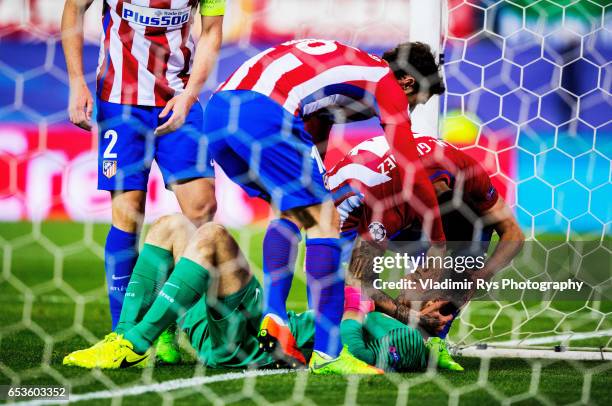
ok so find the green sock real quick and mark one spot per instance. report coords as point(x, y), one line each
point(150, 272)
point(186, 285)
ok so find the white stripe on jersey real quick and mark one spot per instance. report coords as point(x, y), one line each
point(273, 72)
point(116, 56)
point(175, 61)
point(241, 73)
point(347, 206)
point(101, 55)
point(335, 75)
point(140, 50)
point(358, 172)
point(379, 146)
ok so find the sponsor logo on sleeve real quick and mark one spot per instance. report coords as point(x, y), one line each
point(155, 17)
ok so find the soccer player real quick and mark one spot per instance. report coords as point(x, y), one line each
point(150, 74)
point(217, 302)
point(255, 125)
point(366, 187)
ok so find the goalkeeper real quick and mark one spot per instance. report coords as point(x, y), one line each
point(365, 187)
point(218, 303)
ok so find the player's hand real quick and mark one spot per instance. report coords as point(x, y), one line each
point(80, 106)
point(179, 106)
point(434, 316)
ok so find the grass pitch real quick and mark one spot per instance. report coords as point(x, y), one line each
point(53, 300)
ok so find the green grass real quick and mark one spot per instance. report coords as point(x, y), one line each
point(52, 275)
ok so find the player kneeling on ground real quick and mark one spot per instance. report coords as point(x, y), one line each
point(210, 292)
point(366, 189)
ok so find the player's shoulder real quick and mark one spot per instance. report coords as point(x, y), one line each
point(428, 145)
point(341, 52)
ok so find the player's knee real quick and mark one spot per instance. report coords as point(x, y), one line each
point(201, 213)
point(164, 229)
point(320, 221)
point(209, 235)
point(128, 210)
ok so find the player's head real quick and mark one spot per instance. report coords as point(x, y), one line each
point(416, 70)
point(400, 350)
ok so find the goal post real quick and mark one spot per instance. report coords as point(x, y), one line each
point(426, 25)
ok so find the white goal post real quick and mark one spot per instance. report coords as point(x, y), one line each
point(426, 25)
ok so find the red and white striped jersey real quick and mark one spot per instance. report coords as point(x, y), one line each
point(321, 77)
point(146, 50)
point(367, 191)
point(313, 76)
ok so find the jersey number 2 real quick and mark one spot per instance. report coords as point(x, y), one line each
point(108, 152)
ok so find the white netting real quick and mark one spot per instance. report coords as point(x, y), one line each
point(528, 95)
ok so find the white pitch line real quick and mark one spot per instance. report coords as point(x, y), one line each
point(165, 386)
point(556, 338)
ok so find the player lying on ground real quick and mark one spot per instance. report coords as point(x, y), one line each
point(151, 72)
point(218, 303)
point(366, 190)
point(255, 126)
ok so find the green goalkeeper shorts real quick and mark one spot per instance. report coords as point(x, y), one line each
point(224, 331)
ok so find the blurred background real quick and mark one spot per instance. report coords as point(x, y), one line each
point(529, 94)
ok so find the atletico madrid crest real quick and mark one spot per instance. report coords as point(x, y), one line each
point(109, 168)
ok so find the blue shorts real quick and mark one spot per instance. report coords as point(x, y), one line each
point(264, 149)
point(127, 147)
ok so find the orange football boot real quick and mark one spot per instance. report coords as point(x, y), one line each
point(276, 338)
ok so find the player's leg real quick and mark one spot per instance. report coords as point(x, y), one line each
point(197, 200)
point(164, 244)
point(231, 311)
point(193, 278)
point(123, 168)
point(186, 166)
point(324, 276)
point(165, 241)
point(210, 266)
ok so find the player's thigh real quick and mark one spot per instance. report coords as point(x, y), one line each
point(125, 147)
point(233, 321)
point(183, 154)
point(265, 149)
point(290, 170)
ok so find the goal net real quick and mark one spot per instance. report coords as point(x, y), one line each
point(528, 95)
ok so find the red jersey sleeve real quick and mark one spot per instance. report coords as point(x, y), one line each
point(480, 191)
point(395, 119)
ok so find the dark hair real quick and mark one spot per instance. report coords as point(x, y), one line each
point(416, 59)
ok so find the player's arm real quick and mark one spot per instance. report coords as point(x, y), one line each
point(361, 268)
point(417, 189)
point(511, 238)
point(351, 328)
point(430, 317)
point(205, 57)
point(80, 105)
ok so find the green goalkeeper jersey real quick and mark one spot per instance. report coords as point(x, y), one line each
point(224, 333)
point(385, 342)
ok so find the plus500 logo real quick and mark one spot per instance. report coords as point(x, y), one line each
point(152, 17)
